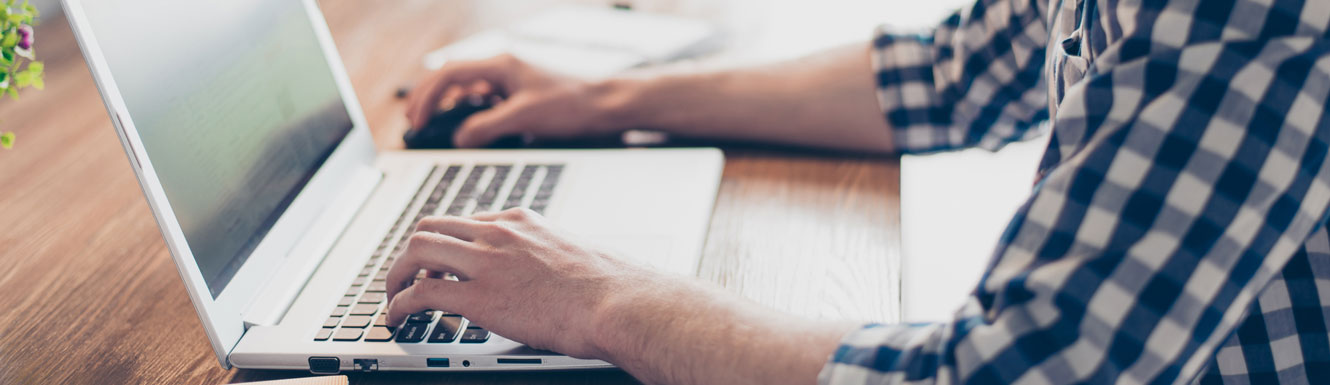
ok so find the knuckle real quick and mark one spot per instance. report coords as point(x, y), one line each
point(431, 220)
point(419, 239)
point(520, 214)
point(508, 59)
point(433, 223)
point(498, 231)
point(431, 285)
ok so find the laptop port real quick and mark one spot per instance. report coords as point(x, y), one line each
point(519, 361)
point(436, 362)
point(366, 364)
point(325, 365)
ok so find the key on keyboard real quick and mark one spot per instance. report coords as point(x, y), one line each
point(412, 332)
point(365, 309)
point(345, 334)
point(324, 334)
point(475, 335)
point(372, 298)
point(357, 321)
point(379, 334)
point(446, 329)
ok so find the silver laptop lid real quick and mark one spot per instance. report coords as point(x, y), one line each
point(238, 119)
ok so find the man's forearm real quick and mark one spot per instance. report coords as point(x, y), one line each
point(824, 100)
point(687, 333)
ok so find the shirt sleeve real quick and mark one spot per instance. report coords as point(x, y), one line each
point(975, 80)
point(1202, 172)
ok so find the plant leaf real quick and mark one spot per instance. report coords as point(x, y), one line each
point(7, 140)
point(23, 79)
point(10, 40)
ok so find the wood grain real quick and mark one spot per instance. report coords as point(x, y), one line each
point(812, 235)
point(88, 293)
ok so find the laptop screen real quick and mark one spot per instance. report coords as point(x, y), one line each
point(235, 105)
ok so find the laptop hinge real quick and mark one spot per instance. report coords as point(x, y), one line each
point(281, 290)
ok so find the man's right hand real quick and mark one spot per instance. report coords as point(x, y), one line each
point(536, 102)
point(826, 100)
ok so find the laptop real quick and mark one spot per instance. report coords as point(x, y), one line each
point(246, 137)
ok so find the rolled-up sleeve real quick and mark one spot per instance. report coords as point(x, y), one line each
point(973, 81)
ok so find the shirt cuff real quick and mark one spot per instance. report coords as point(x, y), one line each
point(874, 353)
point(902, 65)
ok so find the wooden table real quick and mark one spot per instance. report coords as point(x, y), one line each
point(88, 293)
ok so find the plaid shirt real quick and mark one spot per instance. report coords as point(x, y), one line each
point(1176, 233)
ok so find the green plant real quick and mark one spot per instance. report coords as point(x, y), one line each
point(18, 65)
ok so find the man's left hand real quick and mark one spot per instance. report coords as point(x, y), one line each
point(516, 277)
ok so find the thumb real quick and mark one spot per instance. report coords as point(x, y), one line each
point(427, 294)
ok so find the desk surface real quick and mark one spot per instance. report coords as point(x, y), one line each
point(88, 293)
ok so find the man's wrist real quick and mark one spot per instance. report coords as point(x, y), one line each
point(613, 322)
point(638, 311)
point(654, 327)
point(619, 103)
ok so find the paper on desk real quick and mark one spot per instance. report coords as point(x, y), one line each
point(566, 59)
point(586, 41)
point(323, 380)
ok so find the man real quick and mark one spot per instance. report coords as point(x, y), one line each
point(1175, 234)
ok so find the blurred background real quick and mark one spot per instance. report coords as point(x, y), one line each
point(954, 205)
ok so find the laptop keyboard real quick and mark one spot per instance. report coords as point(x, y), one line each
point(448, 190)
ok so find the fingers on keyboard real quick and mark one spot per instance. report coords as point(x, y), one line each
point(358, 312)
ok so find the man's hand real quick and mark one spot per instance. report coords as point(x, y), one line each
point(522, 280)
point(518, 278)
point(825, 100)
point(535, 102)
